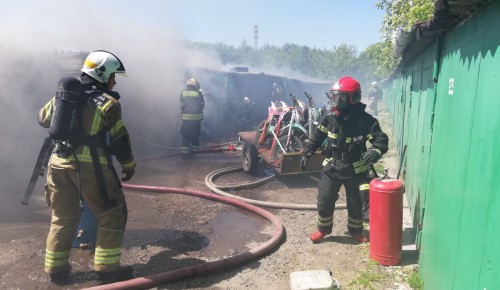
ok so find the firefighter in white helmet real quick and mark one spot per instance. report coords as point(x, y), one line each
point(374, 97)
point(85, 173)
point(192, 104)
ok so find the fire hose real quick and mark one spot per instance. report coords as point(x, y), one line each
point(147, 282)
point(230, 146)
point(209, 181)
point(218, 189)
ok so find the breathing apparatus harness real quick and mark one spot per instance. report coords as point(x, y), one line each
point(66, 135)
point(348, 150)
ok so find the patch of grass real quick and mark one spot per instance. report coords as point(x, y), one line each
point(415, 281)
point(372, 263)
point(366, 279)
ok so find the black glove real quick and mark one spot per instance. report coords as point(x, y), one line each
point(371, 156)
point(128, 174)
point(303, 161)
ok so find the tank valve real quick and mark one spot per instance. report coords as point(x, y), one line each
point(80, 234)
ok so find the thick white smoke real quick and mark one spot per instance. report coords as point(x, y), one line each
point(34, 35)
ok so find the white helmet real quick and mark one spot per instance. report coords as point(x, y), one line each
point(374, 84)
point(100, 64)
point(193, 82)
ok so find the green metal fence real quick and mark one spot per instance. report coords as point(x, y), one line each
point(445, 106)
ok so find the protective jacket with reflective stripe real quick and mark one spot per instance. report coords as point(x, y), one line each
point(192, 104)
point(101, 115)
point(346, 135)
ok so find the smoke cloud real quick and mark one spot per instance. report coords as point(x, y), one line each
point(38, 38)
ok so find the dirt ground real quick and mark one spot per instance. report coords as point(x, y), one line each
point(168, 231)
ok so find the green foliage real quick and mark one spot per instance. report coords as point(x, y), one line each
point(373, 64)
point(326, 63)
point(378, 60)
point(415, 281)
point(404, 14)
point(367, 279)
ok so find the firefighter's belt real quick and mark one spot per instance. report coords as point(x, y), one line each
point(346, 157)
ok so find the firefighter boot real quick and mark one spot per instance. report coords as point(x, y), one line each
point(359, 237)
point(318, 236)
point(61, 278)
point(121, 274)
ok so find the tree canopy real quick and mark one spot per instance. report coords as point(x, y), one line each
point(374, 63)
point(402, 14)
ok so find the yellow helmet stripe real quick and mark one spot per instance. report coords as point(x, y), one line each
point(90, 64)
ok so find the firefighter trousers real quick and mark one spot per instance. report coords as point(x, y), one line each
point(364, 191)
point(62, 195)
point(374, 106)
point(328, 194)
point(190, 132)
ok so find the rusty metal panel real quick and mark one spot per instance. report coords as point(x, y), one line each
point(290, 164)
point(248, 136)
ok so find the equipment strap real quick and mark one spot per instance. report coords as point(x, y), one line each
point(93, 143)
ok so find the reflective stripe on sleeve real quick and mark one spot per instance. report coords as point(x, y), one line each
point(119, 125)
point(333, 135)
point(323, 129)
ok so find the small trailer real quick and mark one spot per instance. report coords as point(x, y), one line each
point(288, 164)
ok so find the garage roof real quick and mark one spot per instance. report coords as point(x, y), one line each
point(447, 14)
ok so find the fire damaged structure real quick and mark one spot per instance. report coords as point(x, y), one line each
point(241, 98)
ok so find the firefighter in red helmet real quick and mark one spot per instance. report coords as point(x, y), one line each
point(347, 158)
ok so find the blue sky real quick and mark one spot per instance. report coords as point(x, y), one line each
point(318, 23)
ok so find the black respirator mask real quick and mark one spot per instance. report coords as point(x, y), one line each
point(340, 99)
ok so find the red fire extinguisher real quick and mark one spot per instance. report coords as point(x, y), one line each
point(386, 220)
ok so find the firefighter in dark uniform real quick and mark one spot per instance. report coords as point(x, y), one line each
point(192, 104)
point(86, 173)
point(347, 159)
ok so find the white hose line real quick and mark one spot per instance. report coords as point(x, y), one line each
point(209, 181)
point(227, 170)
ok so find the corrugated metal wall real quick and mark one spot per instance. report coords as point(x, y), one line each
point(452, 177)
point(411, 98)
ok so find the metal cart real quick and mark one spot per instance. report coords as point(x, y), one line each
point(289, 163)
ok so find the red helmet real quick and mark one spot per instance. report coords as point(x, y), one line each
point(346, 86)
